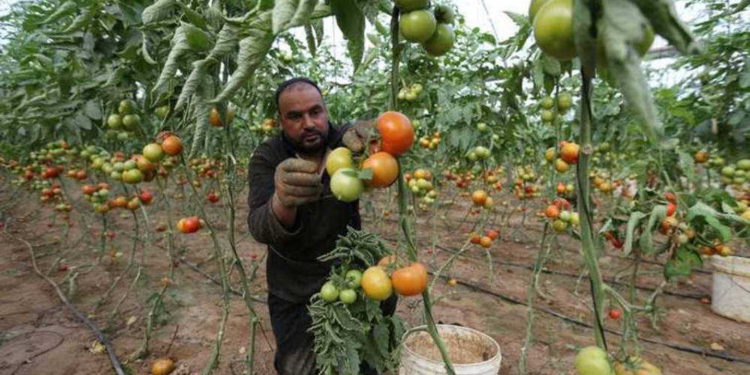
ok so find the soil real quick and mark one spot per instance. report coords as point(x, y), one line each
point(39, 335)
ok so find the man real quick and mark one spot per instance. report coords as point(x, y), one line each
point(293, 212)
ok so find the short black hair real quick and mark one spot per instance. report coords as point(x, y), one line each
point(290, 82)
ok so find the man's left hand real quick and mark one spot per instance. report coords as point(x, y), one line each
point(356, 136)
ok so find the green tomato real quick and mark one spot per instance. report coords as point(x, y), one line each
point(482, 127)
point(130, 164)
point(727, 171)
point(162, 111)
point(547, 116)
point(329, 292)
point(123, 136)
point(126, 107)
point(132, 176)
point(482, 152)
point(337, 159)
point(744, 164)
point(547, 103)
point(472, 156)
point(534, 8)
point(418, 25)
point(115, 175)
point(131, 122)
point(409, 5)
point(592, 360)
point(559, 225)
point(354, 277)
point(348, 296)
point(114, 121)
point(153, 152)
point(346, 186)
point(119, 166)
point(564, 101)
point(441, 41)
point(553, 29)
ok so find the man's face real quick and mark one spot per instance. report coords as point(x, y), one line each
point(304, 118)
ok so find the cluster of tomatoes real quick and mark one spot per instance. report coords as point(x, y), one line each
point(380, 168)
point(124, 120)
point(561, 215)
point(736, 174)
point(562, 102)
point(567, 156)
point(432, 29)
point(376, 283)
point(206, 167)
point(430, 142)
point(564, 190)
point(593, 360)
point(525, 185)
point(216, 120)
point(478, 153)
point(410, 93)
point(490, 235)
point(420, 184)
point(601, 180)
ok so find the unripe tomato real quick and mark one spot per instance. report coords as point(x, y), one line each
point(346, 186)
point(547, 116)
point(636, 366)
point(534, 8)
point(348, 296)
point(131, 122)
point(561, 166)
point(418, 25)
point(564, 101)
point(339, 158)
point(559, 226)
point(441, 41)
point(376, 283)
point(162, 111)
point(114, 121)
point(396, 132)
point(126, 107)
point(410, 280)
point(354, 277)
point(592, 360)
point(553, 29)
point(384, 169)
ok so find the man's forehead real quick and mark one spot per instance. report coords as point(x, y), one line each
point(294, 91)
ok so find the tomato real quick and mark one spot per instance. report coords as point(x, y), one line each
point(420, 173)
point(388, 259)
point(553, 29)
point(670, 197)
point(559, 225)
point(348, 296)
point(534, 9)
point(671, 208)
point(614, 314)
point(384, 169)
point(153, 152)
point(189, 224)
point(346, 186)
point(547, 115)
point(212, 197)
point(409, 5)
point(376, 283)
point(126, 107)
point(744, 164)
point(441, 41)
point(410, 280)
point(396, 132)
point(144, 164)
point(162, 111)
point(561, 166)
point(339, 158)
point(162, 366)
point(564, 101)
point(146, 197)
point(328, 292)
point(475, 238)
point(131, 122)
point(133, 204)
point(418, 25)
point(636, 366)
point(479, 197)
point(550, 154)
point(485, 242)
point(132, 176)
point(569, 153)
point(552, 212)
point(89, 189)
point(354, 277)
point(171, 145)
point(493, 234)
point(592, 360)
point(114, 121)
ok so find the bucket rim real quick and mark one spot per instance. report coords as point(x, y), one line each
point(487, 337)
point(732, 265)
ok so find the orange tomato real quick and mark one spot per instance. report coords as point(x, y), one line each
point(552, 211)
point(396, 132)
point(479, 197)
point(376, 284)
point(493, 234)
point(172, 145)
point(384, 169)
point(569, 153)
point(485, 242)
point(410, 280)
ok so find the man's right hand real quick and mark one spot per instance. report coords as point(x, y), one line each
point(297, 182)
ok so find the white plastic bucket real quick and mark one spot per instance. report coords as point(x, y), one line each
point(472, 352)
point(730, 296)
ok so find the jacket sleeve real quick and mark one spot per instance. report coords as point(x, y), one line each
point(261, 221)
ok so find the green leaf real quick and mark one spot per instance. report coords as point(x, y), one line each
point(158, 11)
point(82, 122)
point(635, 217)
point(197, 39)
point(711, 216)
point(663, 17)
point(646, 241)
point(351, 22)
point(63, 10)
point(93, 110)
point(682, 264)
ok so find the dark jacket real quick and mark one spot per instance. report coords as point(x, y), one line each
point(293, 272)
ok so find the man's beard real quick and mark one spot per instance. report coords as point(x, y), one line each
point(305, 147)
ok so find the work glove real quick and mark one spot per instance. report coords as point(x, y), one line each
point(356, 136)
point(297, 182)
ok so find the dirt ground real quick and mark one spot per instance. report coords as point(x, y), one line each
point(39, 335)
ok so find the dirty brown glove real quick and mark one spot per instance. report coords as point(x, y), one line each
point(297, 182)
point(355, 137)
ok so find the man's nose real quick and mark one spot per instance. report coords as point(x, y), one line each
point(307, 121)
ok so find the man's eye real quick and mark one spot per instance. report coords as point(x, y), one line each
point(295, 116)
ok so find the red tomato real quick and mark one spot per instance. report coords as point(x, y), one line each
point(396, 132)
